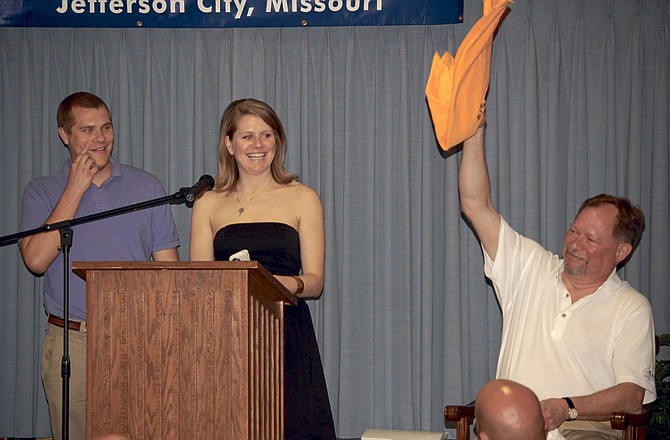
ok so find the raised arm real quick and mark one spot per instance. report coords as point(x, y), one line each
point(40, 250)
point(475, 193)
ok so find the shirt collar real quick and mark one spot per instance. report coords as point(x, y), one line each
point(611, 284)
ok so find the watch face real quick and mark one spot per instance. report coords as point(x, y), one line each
point(572, 413)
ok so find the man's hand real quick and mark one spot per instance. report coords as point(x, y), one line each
point(82, 172)
point(482, 117)
point(555, 412)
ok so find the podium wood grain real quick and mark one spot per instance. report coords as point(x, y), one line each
point(184, 350)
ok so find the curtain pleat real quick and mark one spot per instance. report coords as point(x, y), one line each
point(578, 105)
point(658, 229)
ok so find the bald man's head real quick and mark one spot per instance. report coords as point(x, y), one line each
point(507, 410)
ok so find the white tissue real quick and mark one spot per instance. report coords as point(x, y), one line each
point(242, 255)
point(555, 435)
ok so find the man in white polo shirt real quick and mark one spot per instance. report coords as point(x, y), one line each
point(573, 332)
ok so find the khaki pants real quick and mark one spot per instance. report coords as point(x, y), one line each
point(588, 435)
point(52, 357)
point(587, 430)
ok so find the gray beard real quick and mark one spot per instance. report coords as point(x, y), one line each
point(575, 271)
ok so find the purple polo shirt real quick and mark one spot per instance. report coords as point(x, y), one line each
point(129, 237)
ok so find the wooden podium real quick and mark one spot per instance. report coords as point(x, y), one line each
point(184, 350)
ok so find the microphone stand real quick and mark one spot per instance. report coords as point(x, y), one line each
point(184, 195)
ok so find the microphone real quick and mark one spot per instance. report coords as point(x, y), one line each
point(204, 184)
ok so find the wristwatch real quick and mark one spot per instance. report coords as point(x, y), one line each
point(572, 412)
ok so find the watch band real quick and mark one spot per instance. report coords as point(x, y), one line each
point(572, 411)
point(571, 405)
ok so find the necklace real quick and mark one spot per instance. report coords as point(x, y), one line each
point(242, 207)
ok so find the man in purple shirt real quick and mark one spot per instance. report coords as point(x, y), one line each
point(90, 181)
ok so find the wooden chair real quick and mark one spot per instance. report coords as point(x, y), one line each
point(632, 426)
point(463, 416)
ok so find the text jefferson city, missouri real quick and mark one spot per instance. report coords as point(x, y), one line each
point(238, 7)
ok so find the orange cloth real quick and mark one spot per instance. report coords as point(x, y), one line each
point(456, 88)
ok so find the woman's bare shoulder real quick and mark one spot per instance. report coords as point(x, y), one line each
point(299, 189)
point(215, 197)
point(213, 204)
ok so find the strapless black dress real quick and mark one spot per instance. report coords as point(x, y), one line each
point(277, 247)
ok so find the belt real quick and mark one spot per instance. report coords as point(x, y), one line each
point(59, 322)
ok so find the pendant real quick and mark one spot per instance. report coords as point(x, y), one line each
point(241, 210)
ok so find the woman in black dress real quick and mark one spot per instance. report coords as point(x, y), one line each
point(258, 206)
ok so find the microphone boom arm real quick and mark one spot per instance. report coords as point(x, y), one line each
point(175, 199)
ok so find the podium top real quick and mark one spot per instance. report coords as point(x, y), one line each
point(80, 268)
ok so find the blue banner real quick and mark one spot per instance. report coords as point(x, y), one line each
point(227, 13)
